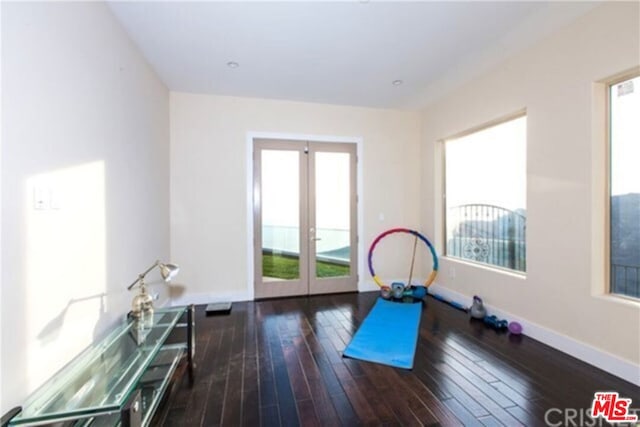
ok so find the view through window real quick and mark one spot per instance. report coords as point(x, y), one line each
point(485, 188)
point(624, 133)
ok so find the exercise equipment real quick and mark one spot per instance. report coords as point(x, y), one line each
point(477, 310)
point(496, 323)
point(413, 258)
point(397, 290)
point(385, 292)
point(448, 301)
point(417, 236)
point(515, 328)
point(419, 292)
point(388, 335)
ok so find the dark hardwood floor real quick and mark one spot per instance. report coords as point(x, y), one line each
point(278, 362)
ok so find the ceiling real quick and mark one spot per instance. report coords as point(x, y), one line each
point(345, 53)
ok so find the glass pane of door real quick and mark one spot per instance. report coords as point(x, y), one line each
point(332, 233)
point(280, 192)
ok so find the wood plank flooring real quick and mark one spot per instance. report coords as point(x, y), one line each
point(279, 363)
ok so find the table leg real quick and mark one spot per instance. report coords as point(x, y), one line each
point(131, 413)
point(191, 340)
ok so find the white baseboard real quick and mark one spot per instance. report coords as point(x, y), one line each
point(601, 359)
point(207, 298)
point(367, 286)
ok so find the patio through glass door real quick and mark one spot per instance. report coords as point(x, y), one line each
point(304, 218)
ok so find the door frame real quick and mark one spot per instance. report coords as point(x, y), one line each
point(251, 236)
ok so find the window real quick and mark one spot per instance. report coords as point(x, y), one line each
point(624, 187)
point(485, 193)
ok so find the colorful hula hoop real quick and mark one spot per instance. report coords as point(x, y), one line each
point(433, 274)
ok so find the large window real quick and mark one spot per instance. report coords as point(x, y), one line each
point(624, 209)
point(485, 193)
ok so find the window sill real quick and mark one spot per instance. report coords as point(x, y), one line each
point(486, 267)
point(619, 299)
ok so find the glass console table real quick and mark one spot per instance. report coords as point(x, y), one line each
point(117, 381)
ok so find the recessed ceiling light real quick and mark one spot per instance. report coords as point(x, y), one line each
point(232, 64)
point(396, 82)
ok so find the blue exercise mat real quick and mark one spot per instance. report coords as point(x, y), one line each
point(388, 335)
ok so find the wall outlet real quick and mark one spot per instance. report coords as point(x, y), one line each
point(41, 198)
point(54, 199)
point(452, 273)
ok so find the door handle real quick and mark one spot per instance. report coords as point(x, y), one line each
point(313, 231)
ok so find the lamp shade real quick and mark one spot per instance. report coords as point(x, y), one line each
point(168, 271)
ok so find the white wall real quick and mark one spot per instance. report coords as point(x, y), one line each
point(209, 172)
point(84, 116)
point(555, 80)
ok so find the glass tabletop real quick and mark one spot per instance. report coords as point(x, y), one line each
point(102, 377)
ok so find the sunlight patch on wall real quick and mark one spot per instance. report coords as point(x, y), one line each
point(65, 265)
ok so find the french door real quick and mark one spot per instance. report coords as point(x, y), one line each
point(304, 218)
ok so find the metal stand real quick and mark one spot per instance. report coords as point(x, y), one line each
point(218, 308)
point(6, 418)
point(131, 413)
point(191, 340)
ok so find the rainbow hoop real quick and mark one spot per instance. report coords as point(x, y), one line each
point(433, 274)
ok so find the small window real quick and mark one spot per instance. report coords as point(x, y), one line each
point(624, 187)
point(485, 193)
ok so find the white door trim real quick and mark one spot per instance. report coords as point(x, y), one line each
point(251, 135)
